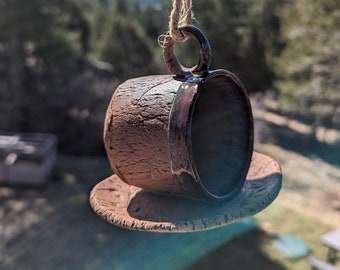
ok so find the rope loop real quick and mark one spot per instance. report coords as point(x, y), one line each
point(181, 14)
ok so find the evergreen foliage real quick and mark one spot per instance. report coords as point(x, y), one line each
point(124, 44)
point(244, 36)
point(45, 47)
point(39, 38)
point(308, 68)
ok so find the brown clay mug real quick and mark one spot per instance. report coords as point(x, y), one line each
point(191, 135)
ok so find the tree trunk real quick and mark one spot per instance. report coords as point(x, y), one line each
point(16, 76)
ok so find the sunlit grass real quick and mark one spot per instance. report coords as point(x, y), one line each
point(304, 206)
point(279, 220)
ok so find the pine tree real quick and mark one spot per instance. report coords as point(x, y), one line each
point(244, 35)
point(309, 65)
point(99, 21)
point(125, 44)
point(39, 35)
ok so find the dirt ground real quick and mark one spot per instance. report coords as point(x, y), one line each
point(54, 227)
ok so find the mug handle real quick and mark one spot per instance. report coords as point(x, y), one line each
point(182, 73)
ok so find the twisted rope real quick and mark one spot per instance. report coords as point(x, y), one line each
point(181, 14)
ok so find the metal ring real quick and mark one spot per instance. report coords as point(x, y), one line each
point(193, 32)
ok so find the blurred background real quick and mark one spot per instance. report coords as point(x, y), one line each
point(60, 61)
point(66, 57)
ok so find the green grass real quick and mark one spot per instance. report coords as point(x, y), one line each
point(302, 209)
point(281, 220)
point(254, 250)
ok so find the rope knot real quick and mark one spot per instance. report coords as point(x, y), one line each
point(181, 14)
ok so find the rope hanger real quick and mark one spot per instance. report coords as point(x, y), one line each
point(181, 14)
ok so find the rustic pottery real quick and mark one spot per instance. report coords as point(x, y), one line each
point(183, 144)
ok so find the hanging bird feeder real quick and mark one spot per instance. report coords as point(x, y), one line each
point(181, 149)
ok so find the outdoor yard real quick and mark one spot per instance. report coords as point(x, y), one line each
point(54, 227)
point(60, 63)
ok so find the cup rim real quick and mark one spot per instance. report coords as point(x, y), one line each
point(180, 137)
